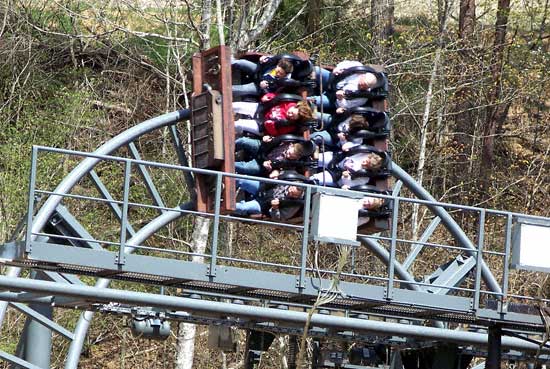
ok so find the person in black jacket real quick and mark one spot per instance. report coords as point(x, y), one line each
point(279, 202)
point(270, 70)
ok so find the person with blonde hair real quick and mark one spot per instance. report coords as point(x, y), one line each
point(340, 174)
point(336, 93)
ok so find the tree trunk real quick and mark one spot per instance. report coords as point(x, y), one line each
point(496, 111)
point(185, 344)
point(206, 23)
point(426, 117)
point(313, 16)
point(219, 22)
point(464, 99)
point(247, 36)
point(381, 23)
point(466, 19)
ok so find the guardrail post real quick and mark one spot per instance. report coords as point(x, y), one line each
point(214, 248)
point(30, 207)
point(393, 245)
point(503, 308)
point(305, 239)
point(121, 258)
point(479, 258)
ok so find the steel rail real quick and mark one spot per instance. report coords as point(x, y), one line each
point(261, 313)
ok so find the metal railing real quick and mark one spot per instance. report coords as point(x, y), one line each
point(304, 269)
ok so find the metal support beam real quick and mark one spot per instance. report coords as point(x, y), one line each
point(107, 196)
point(417, 247)
point(182, 160)
point(42, 319)
point(305, 237)
point(120, 260)
point(151, 188)
point(66, 224)
point(20, 349)
point(451, 275)
point(495, 347)
point(265, 314)
point(448, 221)
point(19, 362)
point(38, 340)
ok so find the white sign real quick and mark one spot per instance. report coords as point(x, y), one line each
point(531, 244)
point(335, 218)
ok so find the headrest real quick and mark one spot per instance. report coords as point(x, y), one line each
point(370, 188)
point(284, 97)
point(364, 149)
point(368, 135)
point(376, 121)
point(293, 176)
point(360, 69)
point(293, 58)
point(370, 114)
point(309, 146)
point(278, 99)
point(384, 211)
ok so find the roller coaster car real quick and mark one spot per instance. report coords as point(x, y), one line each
point(213, 135)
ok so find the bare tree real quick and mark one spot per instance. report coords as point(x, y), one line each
point(313, 18)
point(496, 110)
point(381, 23)
point(206, 23)
point(185, 346)
point(424, 131)
point(466, 19)
point(463, 100)
point(253, 21)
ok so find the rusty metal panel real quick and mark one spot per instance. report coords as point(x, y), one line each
point(212, 68)
point(207, 130)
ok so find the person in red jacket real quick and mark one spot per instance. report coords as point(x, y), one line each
point(278, 120)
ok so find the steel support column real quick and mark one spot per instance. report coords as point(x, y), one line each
point(38, 340)
point(494, 349)
point(38, 337)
